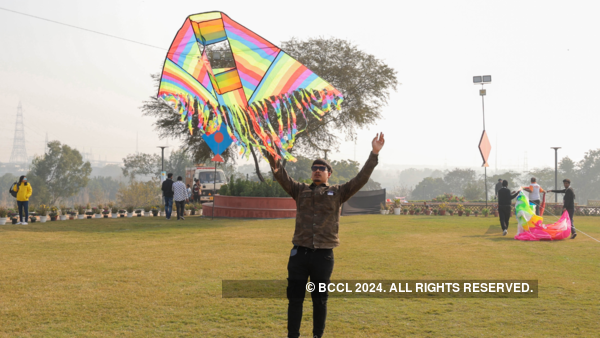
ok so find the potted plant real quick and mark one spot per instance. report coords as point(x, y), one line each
point(147, 210)
point(122, 212)
point(451, 211)
point(129, 211)
point(442, 209)
point(199, 209)
point(467, 212)
point(426, 210)
point(114, 211)
point(14, 216)
point(405, 210)
point(72, 213)
point(412, 209)
point(485, 212)
point(89, 213)
point(105, 212)
point(495, 209)
point(53, 213)
point(476, 212)
point(435, 211)
point(417, 211)
point(3, 213)
point(397, 206)
point(382, 208)
point(80, 211)
point(42, 210)
point(138, 212)
point(62, 212)
point(154, 211)
point(461, 209)
point(187, 209)
point(192, 209)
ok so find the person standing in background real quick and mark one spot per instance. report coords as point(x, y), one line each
point(180, 195)
point(534, 194)
point(196, 191)
point(505, 205)
point(568, 203)
point(24, 191)
point(167, 189)
point(498, 187)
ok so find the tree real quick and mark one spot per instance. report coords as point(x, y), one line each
point(429, 188)
point(139, 194)
point(364, 80)
point(6, 181)
point(61, 170)
point(457, 179)
point(141, 165)
point(177, 163)
point(474, 191)
point(587, 180)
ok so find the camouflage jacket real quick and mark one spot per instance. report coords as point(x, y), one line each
point(318, 207)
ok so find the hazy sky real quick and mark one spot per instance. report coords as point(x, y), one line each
point(85, 89)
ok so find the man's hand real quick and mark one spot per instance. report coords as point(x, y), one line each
point(378, 143)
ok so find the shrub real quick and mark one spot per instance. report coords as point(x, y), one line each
point(240, 187)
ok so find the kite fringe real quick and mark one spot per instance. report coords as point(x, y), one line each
point(251, 125)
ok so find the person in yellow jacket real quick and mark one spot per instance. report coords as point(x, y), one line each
point(24, 191)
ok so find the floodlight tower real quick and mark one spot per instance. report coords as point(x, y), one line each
point(484, 144)
point(19, 153)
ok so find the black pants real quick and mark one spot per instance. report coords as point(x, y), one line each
point(504, 213)
point(571, 214)
point(23, 210)
point(318, 265)
point(180, 208)
point(537, 206)
point(196, 198)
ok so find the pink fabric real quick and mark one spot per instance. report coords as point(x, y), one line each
point(554, 231)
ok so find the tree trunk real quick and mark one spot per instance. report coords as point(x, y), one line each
point(257, 168)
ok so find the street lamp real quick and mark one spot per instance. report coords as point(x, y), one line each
point(484, 144)
point(555, 172)
point(162, 168)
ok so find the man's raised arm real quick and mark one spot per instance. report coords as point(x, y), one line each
point(351, 187)
point(287, 183)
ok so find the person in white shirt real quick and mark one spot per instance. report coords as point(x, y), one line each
point(534, 194)
point(180, 196)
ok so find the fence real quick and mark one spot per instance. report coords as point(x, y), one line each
point(552, 208)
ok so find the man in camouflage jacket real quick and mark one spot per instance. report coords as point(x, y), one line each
point(316, 233)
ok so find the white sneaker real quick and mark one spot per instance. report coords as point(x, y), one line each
point(19, 223)
point(24, 223)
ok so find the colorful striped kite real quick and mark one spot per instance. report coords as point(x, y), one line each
point(230, 78)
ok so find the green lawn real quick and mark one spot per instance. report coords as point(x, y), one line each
point(148, 277)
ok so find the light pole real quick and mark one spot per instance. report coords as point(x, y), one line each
point(162, 168)
point(555, 172)
point(484, 144)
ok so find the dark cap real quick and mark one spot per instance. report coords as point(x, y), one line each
point(499, 180)
point(323, 162)
point(567, 180)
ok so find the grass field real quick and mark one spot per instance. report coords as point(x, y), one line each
point(148, 277)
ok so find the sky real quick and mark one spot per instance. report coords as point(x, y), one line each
point(85, 89)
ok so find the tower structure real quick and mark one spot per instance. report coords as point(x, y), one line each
point(19, 153)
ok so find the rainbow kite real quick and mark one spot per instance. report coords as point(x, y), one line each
point(227, 77)
point(531, 227)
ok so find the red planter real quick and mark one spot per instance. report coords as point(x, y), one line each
point(251, 207)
